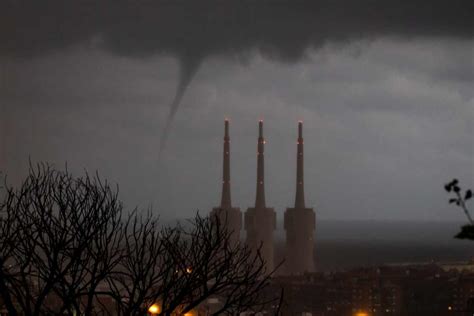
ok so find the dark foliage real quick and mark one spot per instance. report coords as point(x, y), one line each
point(460, 199)
point(467, 232)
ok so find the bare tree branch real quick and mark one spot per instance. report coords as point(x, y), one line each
point(67, 247)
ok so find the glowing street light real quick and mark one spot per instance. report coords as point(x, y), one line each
point(154, 309)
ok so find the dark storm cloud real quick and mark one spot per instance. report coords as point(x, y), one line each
point(194, 30)
point(389, 110)
point(281, 30)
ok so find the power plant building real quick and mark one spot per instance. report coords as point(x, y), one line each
point(300, 223)
point(260, 220)
point(230, 217)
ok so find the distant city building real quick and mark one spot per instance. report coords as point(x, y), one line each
point(260, 221)
point(229, 216)
point(300, 223)
point(395, 290)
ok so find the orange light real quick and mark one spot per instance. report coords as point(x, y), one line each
point(362, 314)
point(189, 270)
point(154, 309)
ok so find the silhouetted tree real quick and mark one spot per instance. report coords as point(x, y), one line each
point(60, 237)
point(183, 267)
point(66, 245)
point(460, 199)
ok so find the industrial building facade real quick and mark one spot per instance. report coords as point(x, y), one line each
point(260, 220)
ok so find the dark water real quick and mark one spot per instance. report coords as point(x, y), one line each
point(345, 244)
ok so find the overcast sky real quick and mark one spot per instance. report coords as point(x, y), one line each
point(385, 90)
